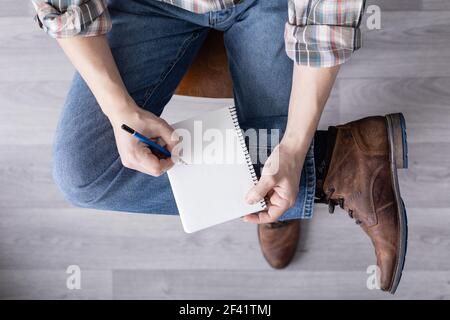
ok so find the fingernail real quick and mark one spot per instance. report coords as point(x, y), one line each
point(250, 201)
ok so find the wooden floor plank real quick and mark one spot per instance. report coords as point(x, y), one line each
point(435, 5)
point(410, 44)
point(289, 285)
point(398, 5)
point(28, 54)
point(15, 8)
point(56, 238)
point(30, 111)
point(425, 102)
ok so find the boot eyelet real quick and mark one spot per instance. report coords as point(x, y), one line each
point(331, 208)
point(350, 214)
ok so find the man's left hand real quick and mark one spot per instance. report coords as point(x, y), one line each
point(279, 184)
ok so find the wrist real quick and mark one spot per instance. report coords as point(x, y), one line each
point(120, 108)
point(294, 147)
point(112, 98)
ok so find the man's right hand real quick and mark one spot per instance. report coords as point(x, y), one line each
point(135, 154)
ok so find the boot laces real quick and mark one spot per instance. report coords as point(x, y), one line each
point(332, 203)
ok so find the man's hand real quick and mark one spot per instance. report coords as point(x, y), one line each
point(135, 154)
point(310, 90)
point(279, 184)
point(93, 59)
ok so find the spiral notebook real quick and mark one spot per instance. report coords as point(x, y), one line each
point(211, 188)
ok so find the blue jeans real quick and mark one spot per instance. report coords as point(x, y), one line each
point(153, 44)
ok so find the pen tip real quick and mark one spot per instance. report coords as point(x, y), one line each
point(127, 128)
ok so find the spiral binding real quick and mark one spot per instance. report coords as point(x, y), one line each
point(248, 159)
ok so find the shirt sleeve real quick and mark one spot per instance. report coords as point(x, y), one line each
point(323, 33)
point(70, 18)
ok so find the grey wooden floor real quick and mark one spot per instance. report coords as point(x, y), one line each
point(403, 67)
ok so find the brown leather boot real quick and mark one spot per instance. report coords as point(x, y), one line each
point(279, 241)
point(362, 179)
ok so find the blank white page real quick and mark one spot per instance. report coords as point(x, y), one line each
point(213, 191)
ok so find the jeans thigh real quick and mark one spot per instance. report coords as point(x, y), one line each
point(153, 45)
point(260, 68)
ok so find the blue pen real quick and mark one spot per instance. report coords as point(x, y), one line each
point(147, 141)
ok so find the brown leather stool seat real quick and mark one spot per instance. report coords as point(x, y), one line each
point(208, 76)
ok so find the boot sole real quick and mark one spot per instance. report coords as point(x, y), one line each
point(398, 153)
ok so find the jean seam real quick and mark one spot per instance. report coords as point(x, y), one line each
point(214, 22)
point(151, 90)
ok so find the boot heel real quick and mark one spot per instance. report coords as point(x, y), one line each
point(396, 128)
point(398, 144)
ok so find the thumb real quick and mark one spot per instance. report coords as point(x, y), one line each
point(260, 190)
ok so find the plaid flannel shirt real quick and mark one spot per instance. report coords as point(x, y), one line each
point(319, 33)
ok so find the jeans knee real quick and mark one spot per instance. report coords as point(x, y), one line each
point(73, 178)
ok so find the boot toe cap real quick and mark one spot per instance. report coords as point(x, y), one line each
point(279, 245)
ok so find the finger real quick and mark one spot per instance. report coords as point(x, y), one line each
point(148, 162)
point(277, 211)
point(290, 195)
point(251, 218)
point(161, 142)
point(164, 164)
point(278, 206)
point(259, 218)
point(260, 190)
point(168, 135)
point(177, 150)
point(276, 200)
